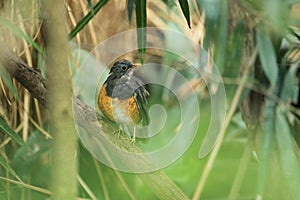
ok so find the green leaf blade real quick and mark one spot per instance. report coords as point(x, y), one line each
point(141, 22)
point(7, 167)
point(18, 32)
point(267, 56)
point(268, 145)
point(289, 162)
point(130, 5)
point(7, 81)
point(290, 89)
point(184, 5)
point(5, 128)
point(84, 21)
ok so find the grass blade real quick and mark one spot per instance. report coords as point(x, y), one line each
point(8, 168)
point(141, 23)
point(87, 18)
point(5, 128)
point(7, 80)
point(18, 32)
point(184, 5)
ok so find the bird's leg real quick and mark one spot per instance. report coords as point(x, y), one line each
point(133, 137)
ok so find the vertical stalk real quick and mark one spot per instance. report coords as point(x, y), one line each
point(64, 163)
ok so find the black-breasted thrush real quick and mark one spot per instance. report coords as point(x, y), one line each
point(122, 97)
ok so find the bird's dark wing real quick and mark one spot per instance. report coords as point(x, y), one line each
point(120, 88)
point(140, 96)
point(124, 88)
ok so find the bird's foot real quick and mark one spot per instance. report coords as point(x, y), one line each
point(132, 140)
point(117, 133)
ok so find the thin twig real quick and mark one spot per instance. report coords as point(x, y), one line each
point(86, 188)
point(240, 174)
point(31, 187)
point(44, 132)
point(100, 175)
point(125, 185)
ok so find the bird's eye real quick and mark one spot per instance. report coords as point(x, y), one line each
point(124, 68)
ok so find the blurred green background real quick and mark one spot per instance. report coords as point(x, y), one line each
point(255, 45)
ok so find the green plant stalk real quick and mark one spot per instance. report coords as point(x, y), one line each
point(141, 23)
point(240, 174)
point(63, 181)
point(101, 177)
point(215, 151)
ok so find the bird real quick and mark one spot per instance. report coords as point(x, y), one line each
point(123, 97)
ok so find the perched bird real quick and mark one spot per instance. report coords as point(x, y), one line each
point(123, 96)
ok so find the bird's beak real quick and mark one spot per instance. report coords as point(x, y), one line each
point(137, 64)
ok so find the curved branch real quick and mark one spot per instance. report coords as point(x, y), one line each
point(92, 122)
point(27, 76)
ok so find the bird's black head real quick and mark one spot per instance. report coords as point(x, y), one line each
point(121, 68)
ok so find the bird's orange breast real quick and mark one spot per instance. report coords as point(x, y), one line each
point(121, 111)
